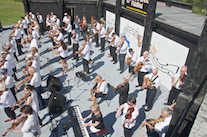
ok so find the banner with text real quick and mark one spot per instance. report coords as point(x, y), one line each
point(137, 5)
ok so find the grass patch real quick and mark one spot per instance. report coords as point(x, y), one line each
point(10, 11)
point(198, 10)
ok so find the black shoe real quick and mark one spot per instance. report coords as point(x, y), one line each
point(73, 59)
point(147, 110)
point(166, 103)
point(137, 86)
point(118, 69)
point(96, 46)
point(114, 62)
point(77, 60)
point(144, 105)
point(121, 72)
point(141, 89)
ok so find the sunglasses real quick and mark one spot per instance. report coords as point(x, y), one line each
point(130, 104)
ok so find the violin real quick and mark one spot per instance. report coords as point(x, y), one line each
point(182, 79)
point(29, 64)
point(128, 60)
point(52, 35)
point(119, 86)
point(74, 36)
point(129, 114)
point(12, 32)
point(153, 121)
point(23, 119)
point(108, 32)
point(79, 50)
point(120, 45)
point(28, 78)
point(3, 78)
point(22, 99)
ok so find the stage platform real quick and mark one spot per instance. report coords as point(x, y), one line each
point(78, 92)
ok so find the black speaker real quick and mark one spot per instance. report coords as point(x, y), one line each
point(56, 103)
point(53, 84)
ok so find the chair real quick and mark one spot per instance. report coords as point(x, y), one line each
point(102, 132)
point(106, 97)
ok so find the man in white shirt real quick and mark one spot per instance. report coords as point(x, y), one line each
point(113, 44)
point(17, 35)
point(33, 33)
point(102, 36)
point(5, 64)
point(178, 82)
point(122, 49)
point(12, 47)
point(130, 60)
point(6, 101)
point(30, 127)
point(96, 28)
point(66, 18)
point(151, 82)
point(128, 122)
point(85, 53)
point(10, 58)
point(36, 82)
point(25, 25)
point(160, 128)
point(109, 37)
point(31, 17)
point(33, 42)
point(75, 44)
point(68, 29)
point(56, 21)
point(145, 61)
point(100, 89)
point(40, 21)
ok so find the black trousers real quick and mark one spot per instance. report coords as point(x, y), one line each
point(19, 46)
point(110, 50)
point(96, 40)
point(14, 53)
point(14, 75)
point(85, 66)
point(114, 55)
point(127, 132)
point(25, 31)
point(41, 28)
point(53, 43)
point(121, 61)
point(150, 95)
point(131, 70)
point(174, 92)
point(10, 113)
point(102, 44)
point(75, 48)
point(69, 36)
point(13, 92)
point(140, 77)
point(39, 91)
point(150, 132)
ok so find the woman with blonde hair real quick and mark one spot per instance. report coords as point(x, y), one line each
point(63, 52)
point(36, 54)
point(96, 124)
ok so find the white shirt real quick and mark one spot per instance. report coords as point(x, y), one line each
point(17, 34)
point(36, 29)
point(77, 23)
point(177, 76)
point(13, 43)
point(102, 33)
point(33, 43)
point(34, 104)
point(86, 52)
point(76, 39)
point(65, 19)
point(35, 65)
point(116, 42)
point(103, 88)
point(34, 35)
point(9, 82)
point(38, 58)
point(156, 81)
point(7, 99)
point(134, 114)
point(133, 58)
point(90, 43)
point(60, 37)
point(110, 38)
point(68, 29)
point(10, 59)
point(8, 67)
point(36, 80)
point(123, 49)
point(147, 66)
point(40, 19)
point(162, 127)
point(57, 22)
point(24, 22)
point(97, 27)
point(31, 124)
point(48, 21)
point(63, 53)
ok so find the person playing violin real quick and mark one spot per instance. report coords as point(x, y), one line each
point(113, 44)
point(178, 82)
point(109, 38)
point(75, 44)
point(30, 58)
point(161, 127)
point(151, 88)
point(130, 113)
point(30, 126)
point(32, 42)
point(146, 67)
point(123, 90)
point(131, 59)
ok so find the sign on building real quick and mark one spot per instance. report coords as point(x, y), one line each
point(137, 5)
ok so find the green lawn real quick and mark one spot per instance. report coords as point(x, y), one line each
point(10, 11)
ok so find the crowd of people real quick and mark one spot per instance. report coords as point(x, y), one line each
point(28, 31)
